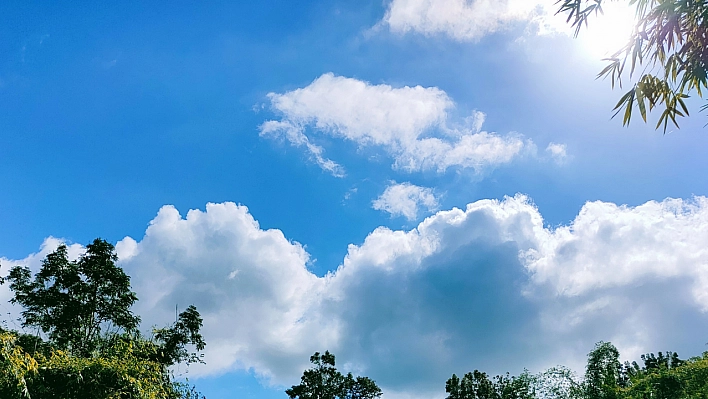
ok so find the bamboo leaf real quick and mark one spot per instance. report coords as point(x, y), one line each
point(640, 103)
point(628, 110)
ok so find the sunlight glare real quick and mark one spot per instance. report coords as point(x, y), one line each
point(608, 33)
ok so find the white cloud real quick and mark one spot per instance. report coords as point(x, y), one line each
point(351, 192)
point(297, 138)
point(487, 287)
point(558, 152)
point(406, 199)
point(471, 20)
point(466, 20)
point(251, 285)
point(612, 246)
point(410, 123)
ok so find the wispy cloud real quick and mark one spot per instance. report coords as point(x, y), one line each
point(297, 138)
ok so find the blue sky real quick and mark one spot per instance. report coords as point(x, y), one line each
point(118, 119)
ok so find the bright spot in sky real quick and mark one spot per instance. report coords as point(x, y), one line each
point(608, 33)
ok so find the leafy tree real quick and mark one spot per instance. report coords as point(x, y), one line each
point(74, 302)
point(557, 383)
point(174, 340)
point(121, 370)
point(603, 372)
point(477, 385)
point(693, 375)
point(323, 381)
point(668, 361)
point(126, 373)
point(667, 51)
point(510, 387)
point(93, 348)
point(662, 376)
point(360, 388)
point(15, 365)
point(474, 385)
point(453, 387)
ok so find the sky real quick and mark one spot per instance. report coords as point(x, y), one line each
point(421, 187)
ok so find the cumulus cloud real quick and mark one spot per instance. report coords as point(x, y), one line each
point(253, 287)
point(612, 246)
point(409, 123)
point(406, 199)
point(488, 287)
point(467, 20)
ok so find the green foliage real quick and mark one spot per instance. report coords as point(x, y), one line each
point(668, 45)
point(127, 375)
point(323, 381)
point(557, 383)
point(94, 348)
point(360, 388)
point(662, 376)
point(510, 387)
point(602, 373)
point(74, 302)
point(667, 376)
point(320, 382)
point(15, 365)
point(477, 385)
point(694, 377)
point(174, 340)
point(122, 368)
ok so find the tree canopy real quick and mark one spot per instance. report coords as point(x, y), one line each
point(665, 60)
point(74, 302)
point(85, 340)
point(477, 385)
point(324, 381)
point(663, 376)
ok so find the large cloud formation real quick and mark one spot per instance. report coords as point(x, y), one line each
point(489, 287)
point(409, 123)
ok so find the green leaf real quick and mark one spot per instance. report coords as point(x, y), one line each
point(640, 103)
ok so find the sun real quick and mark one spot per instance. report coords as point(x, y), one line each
point(608, 33)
